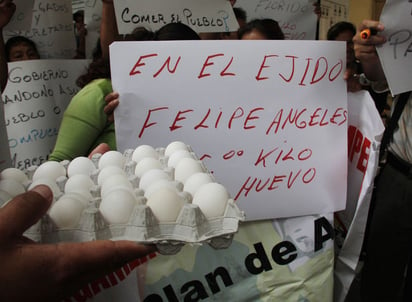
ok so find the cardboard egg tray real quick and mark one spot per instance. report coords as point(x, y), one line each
point(191, 226)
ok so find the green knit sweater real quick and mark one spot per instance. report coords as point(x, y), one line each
point(84, 124)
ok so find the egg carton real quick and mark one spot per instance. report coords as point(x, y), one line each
point(163, 201)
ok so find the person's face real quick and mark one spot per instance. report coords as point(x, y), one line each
point(347, 37)
point(23, 52)
point(254, 35)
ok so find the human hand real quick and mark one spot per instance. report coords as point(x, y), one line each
point(365, 50)
point(112, 101)
point(51, 272)
point(7, 9)
point(100, 149)
point(352, 80)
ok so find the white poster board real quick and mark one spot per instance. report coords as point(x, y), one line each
point(201, 15)
point(296, 18)
point(271, 126)
point(36, 95)
point(396, 54)
point(51, 29)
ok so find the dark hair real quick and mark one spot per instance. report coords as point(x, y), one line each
point(338, 28)
point(267, 27)
point(175, 31)
point(16, 40)
point(78, 14)
point(240, 13)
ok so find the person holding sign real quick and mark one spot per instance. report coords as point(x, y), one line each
point(388, 241)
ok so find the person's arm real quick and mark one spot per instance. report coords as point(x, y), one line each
point(365, 50)
point(7, 9)
point(52, 272)
point(84, 123)
point(108, 27)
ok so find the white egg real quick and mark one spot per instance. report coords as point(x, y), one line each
point(12, 186)
point(107, 172)
point(117, 206)
point(48, 182)
point(174, 146)
point(144, 151)
point(115, 181)
point(80, 165)
point(186, 168)
point(166, 204)
point(160, 184)
point(176, 156)
point(15, 174)
point(79, 183)
point(146, 164)
point(111, 158)
point(212, 199)
point(49, 169)
point(152, 176)
point(67, 210)
point(193, 182)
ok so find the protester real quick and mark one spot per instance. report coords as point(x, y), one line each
point(80, 32)
point(20, 48)
point(261, 29)
point(388, 241)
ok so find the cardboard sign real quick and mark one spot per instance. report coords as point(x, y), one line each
point(36, 95)
point(201, 15)
point(268, 118)
point(51, 29)
point(296, 18)
point(396, 54)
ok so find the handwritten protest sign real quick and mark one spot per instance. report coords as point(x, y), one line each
point(271, 126)
point(22, 17)
point(201, 15)
point(396, 54)
point(51, 29)
point(295, 17)
point(36, 95)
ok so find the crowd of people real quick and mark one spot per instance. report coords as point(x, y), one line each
point(28, 266)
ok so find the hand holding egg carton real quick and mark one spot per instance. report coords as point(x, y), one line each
point(163, 196)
